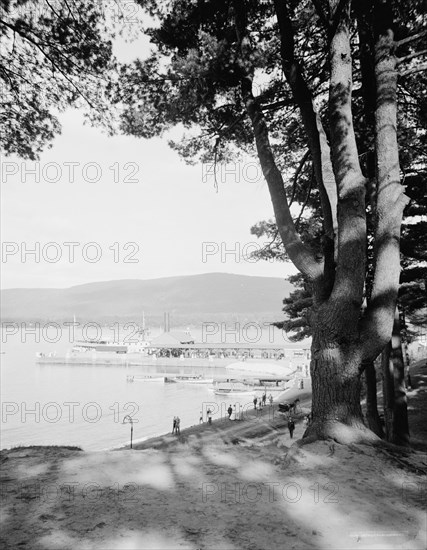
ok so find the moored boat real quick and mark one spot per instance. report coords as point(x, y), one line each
point(191, 379)
point(141, 378)
point(231, 391)
point(234, 388)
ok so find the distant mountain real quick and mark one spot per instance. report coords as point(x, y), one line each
point(212, 296)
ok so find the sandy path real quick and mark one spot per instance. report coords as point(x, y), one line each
point(222, 486)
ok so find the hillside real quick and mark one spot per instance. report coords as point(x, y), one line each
point(217, 295)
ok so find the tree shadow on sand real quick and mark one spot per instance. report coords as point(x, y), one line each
point(228, 485)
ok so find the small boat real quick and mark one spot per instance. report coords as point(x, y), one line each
point(40, 355)
point(138, 378)
point(191, 380)
point(230, 391)
point(234, 388)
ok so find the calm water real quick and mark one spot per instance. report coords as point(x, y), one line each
point(85, 406)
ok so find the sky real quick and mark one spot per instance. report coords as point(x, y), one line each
point(97, 208)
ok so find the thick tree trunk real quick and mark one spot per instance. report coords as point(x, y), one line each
point(336, 386)
point(372, 416)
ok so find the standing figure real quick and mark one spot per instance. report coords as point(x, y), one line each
point(201, 418)
point(270, 398)
point(255, 402)
point(178, 422)
point(264, 398)
point(291, 427)
point(174, 425)
point(230, 411)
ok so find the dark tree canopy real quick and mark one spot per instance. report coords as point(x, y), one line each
point(54, 55)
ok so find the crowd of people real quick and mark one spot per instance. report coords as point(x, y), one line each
point(260, 403)
point(234, 413)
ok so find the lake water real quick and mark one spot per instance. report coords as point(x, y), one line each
point(85, 405)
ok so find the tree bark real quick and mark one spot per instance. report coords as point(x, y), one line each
point(347, 294)
point(372, 416)
point(338, 347)
point(336, 385)
point(378, 323)
point(400, 409)
point(388, 391)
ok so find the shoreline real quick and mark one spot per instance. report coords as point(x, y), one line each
point(228, 485)
point(219, 424)
point(287, 394)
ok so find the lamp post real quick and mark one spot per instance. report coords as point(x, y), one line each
point(128, 420)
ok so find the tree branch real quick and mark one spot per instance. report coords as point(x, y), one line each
point(410, 56)
point(319, 148)
point(301, 255)
point(54, 65)
point(420, 68)
point(347, 294)
point(304, 204)
point(336, 15)
point(410, 39)
point(275, 105)
point(329, 184)
point(324, 18)
point(297, 173)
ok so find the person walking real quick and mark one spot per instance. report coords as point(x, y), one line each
point(291, 427)
point(230, 412)
point(255, 402)
point(264, 398)
point(174, 425)
point(178, 422)
point(271, 400)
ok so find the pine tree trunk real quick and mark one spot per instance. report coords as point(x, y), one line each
point(400, 410)
point(388, 391)
point(372, 416)
point(336, 386)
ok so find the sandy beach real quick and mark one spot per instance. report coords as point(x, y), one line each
point(229, 485)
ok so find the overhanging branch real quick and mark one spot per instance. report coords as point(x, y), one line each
point(302, 257)
point(410, 39)
point(418, 69)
